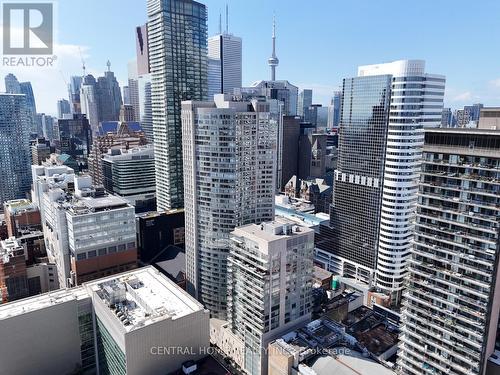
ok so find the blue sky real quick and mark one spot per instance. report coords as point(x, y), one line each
point(319, 42)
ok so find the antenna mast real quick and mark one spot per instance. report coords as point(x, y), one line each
point(227, 19)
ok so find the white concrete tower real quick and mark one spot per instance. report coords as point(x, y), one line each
point(273, 60)
point(416, 103)
point(229, 154)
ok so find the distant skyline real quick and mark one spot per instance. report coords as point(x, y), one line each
point(318, 43)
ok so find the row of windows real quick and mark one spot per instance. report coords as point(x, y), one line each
point(104, 251)
point(418, 79)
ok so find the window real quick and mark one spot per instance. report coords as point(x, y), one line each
point(92, 254)
point(81, 256)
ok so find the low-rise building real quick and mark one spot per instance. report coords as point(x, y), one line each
point(88, 233)
point(138, 322)
point(316, 191)
point(19, 278)
point(21, 215)
point(322, 347)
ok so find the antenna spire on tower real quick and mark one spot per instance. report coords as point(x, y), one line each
point(220, 23)
point(108, 64)
point(273, 60)
point(227, 19)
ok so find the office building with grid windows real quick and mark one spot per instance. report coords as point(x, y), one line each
point(226, 49)
point(177, 39)
point(88, 233)
point(229, 169)
point(355, 212)
point(384, 112)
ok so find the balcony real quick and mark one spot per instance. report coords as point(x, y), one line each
point(431, 254)
point(435, 360)
point(453, 233)
point(449, 326)
point(445, 324)
point(457, 188)
point(467, 226)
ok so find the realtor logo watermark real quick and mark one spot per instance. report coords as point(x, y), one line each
point(28, 34)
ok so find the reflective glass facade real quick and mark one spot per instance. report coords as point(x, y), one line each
point(15, 161)
point(358, 179)
point(74, 137)
point(112, 360)
point(177, 37)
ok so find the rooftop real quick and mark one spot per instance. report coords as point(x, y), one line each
point(42, 301)
point(372, 330)
point(97, 203)
point(142, 297)
point(321, 273)
point(347, 362)
point(463, 131)
point(296, 204)
point(323, 347)
point(147, 297)
point(152, 214)
point(19, 205)
point(10, 247)
point(272, 230)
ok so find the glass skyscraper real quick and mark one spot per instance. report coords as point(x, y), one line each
point(108, 96)
point(355, 210)
point(74, 138)
point(177, 39)
point(27, 90)
point(304, 102)
point(12, 84)
point(226, 48)
point(416, 102)
point(15, 161)
point(74, 93)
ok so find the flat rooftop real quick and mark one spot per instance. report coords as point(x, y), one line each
point(372, 330)
point(149, 296)
point(42, 301)
point(86, 205)
point(320, 346)
point(142, 297)
point(463, 131)
point(17, 205)
point(102, 202)
point(271, 230)
point(347, 362)
point(321, 273)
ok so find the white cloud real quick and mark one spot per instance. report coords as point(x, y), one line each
point(495, 83)
point(50, 83)
point(464, 96)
